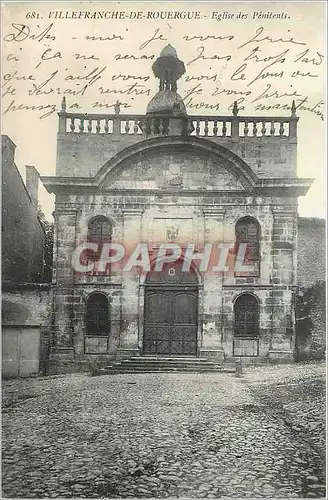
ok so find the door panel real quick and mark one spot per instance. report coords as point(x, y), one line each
point(158, 307)
point(20, 351)
point(156, 339)
point(184, 308)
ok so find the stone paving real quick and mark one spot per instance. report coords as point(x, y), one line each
point(166, 435)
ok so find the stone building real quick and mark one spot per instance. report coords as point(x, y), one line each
point(166, 177)
point(25, 299)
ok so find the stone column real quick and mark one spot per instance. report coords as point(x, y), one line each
point(211, 346)
point(129, 342)
point(64, 244)
point(283, 280)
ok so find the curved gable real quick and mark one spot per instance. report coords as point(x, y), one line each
point(187, 163)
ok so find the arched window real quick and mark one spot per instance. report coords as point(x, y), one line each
point(100, 229)
point(97, 316)
point(246, 309)
point(248, 231)
point(100, 232)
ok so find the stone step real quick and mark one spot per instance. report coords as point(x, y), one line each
point(145, 369)
point(166, 367)
point(165, 363)
point(180, 359)
point(150, 364)
point(116, 370)
point(156, 364)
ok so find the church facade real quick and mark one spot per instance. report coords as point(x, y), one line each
point(190, 185)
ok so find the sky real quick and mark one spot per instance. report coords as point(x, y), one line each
point(95, 53)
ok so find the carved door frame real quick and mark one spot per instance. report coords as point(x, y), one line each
point(171, 292)
point(199, 287)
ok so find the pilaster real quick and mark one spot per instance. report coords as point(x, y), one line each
point(211, 345)
point(129, 344)
point(64, 285)
point(283, 280)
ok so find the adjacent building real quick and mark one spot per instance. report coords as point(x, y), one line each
point(26, 300)
point(22, 231)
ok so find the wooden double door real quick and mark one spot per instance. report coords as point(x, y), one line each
point(171, 321)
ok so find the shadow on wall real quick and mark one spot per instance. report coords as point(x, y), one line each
point(311, 322)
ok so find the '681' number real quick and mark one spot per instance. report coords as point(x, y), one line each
point(33, 15)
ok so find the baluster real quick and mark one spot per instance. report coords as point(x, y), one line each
point(135, 127)
point(281, 128)
point(272, 129)
point(254, 129)
point(215, 128)
point(127, 126)
point(98, 126)
point(106, 128)
point(224, 129)
point(206, 128)
point(81, 125)
point(166, 124)
point(152, 127)
point(72, 125)
point(89, 125)
point(246, 129)
point(197, 127)
point(161, 127)
point(190, 127)
point(263, 129)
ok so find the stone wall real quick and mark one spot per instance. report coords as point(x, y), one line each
point(311, 296)
point(83, 154)
point(22, 233)
point(311, 250)
point(311, 322)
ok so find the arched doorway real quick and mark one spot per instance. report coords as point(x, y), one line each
point(97, 316)
point(247, 326)
point(171, 312)
point(246, 309)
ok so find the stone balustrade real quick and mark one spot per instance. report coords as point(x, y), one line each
point(99, 123)
point(244, 126)
point(202, 126)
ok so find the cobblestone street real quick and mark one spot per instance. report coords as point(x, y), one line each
point(166, 435)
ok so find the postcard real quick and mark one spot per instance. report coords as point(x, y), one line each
point(163, 249)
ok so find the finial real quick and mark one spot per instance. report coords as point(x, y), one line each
point(293, 109)
point(117, 107)
point(235, 109)
point(63, 105)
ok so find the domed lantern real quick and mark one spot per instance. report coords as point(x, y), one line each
point(168, 68)
point(166, 112)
